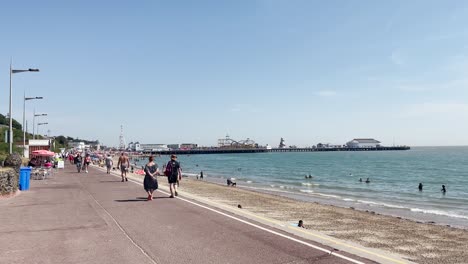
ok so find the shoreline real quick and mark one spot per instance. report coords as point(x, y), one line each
point(419, 242)
point(416, 214)
point(415, 241)
point(401, 213)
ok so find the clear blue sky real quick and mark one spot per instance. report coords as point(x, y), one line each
point(193, 71)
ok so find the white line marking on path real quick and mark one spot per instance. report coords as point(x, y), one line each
point(251, 224)
point(121, 229)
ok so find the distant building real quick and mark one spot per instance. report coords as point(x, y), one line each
point(151, 147)
point(133, 146)
point(188, 146)
point(363, 143)
point(37, 144)
point(77, 145)
point(173, 146)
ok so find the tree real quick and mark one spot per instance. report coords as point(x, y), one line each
point(6, 121)
point(16, 125)
point(3, 120)
point(62, 140)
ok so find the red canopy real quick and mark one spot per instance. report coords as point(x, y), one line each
point(43, 152)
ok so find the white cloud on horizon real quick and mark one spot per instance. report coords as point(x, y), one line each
point(413, 88)
point(432, 109)
point(326, 93)
point(397, 58)
point(244, 108)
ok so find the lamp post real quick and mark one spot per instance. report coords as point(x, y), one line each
point(11, 116)
point(34, 121)
point(40, 124)
point(24, 111)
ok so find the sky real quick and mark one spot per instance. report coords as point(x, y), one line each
point(194, 71)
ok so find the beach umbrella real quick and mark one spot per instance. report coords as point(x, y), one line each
point(43, 153)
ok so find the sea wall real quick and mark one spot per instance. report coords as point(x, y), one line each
point(8, 181)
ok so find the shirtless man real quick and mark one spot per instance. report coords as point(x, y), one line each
point(123, 164)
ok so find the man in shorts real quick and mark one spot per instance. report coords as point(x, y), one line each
point(123, 164)
point(174, 176)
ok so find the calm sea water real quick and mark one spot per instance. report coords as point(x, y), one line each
point(394, 177)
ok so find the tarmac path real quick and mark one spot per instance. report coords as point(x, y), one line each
point(95, 218)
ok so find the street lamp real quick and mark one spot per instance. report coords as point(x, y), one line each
point(11, 94)
point(24, 110)
point(40, 124)
point(34, 121)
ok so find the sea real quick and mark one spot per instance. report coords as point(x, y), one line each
point(393, 188)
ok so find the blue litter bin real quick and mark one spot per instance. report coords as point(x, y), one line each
point(25, 175)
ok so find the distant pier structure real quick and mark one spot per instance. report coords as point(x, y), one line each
point(265, 150)
point(122, 144)
point(281, 144)
point(228, 142)
point(228, 145)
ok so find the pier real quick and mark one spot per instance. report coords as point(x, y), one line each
point(265, 150)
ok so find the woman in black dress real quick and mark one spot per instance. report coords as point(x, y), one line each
point(150, 183)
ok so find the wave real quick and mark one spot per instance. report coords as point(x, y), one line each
point(310, 184)
point(190, 174)
point(309, 192)
point(382, 204)
point(329, 195)
point(437, 212)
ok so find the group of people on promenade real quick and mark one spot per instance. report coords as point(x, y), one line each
point(81, 163)
point(172, 170)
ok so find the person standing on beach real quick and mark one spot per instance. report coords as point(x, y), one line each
point(123, 164)
point(201, 175)
point(150, 183)
point(109, 163)
point(173, 173)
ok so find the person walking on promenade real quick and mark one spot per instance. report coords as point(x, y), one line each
point(77, 161)
point(87, 161)
point(173, 173)
point(109, 163)
point(123, 164)
point(150, 183)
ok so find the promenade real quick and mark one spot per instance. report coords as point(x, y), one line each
point(95, 218)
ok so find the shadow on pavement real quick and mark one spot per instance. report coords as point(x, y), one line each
point(138, 199)
point(112, 181)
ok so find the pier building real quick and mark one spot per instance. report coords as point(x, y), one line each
point(173, 146)
point(363, 143)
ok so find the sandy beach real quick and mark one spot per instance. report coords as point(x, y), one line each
point(417, 242)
